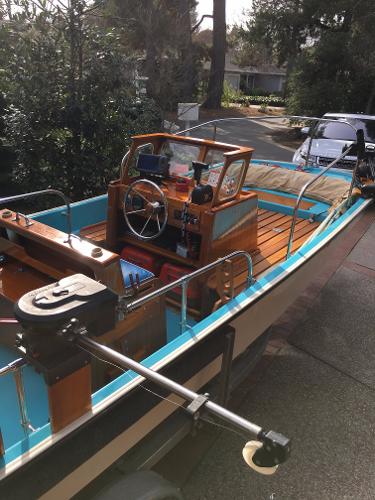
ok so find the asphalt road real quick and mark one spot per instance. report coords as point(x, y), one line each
point(251, 134)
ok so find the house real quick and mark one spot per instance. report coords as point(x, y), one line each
point(267, 77)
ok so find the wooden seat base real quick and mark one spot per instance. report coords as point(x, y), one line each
point(96, 233)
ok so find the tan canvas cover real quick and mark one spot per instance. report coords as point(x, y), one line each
point(326, 189)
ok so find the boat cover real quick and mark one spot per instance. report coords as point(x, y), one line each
point(327, 189)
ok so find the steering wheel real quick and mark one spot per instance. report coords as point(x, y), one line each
point(153, 205)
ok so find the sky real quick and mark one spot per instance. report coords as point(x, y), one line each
point(234, 10)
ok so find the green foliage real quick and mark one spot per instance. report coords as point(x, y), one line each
point(247, 100)
point(70, 105)
point(328, 47)
point(230, 95)
point(159, 32)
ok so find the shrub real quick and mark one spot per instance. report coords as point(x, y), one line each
point(247, 100)
point(69, 109)
point(230, 95)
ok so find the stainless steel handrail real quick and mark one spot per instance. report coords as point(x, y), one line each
point(15, 367)
point(125, 157)
point(24, 196)
point(263, 118)
point(184, 282)
point(302, 192)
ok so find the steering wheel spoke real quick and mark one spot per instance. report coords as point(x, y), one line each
point(158, 221)
point(144, 227)
point(141, 210)
point(155, 208)
point(141, 195)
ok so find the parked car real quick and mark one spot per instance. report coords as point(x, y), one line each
point(329, 139)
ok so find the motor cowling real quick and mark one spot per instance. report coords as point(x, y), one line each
point(45, 311)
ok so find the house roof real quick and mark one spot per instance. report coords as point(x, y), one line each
point(260, 69)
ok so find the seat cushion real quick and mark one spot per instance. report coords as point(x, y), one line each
point(128, 268)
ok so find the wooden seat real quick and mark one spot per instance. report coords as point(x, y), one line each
point(51, 252)
point(96, 233)
point(273, 237)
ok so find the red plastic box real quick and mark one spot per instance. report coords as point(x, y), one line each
point(172, 272)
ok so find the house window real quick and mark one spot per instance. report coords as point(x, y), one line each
point(246, 83)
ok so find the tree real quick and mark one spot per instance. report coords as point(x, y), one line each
point(219, 47)
point(328, 48)
point(160, 32)
point(70, 103)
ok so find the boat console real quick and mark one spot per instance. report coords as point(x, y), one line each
point(183, 201)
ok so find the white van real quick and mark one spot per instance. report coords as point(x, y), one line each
point(331, 138)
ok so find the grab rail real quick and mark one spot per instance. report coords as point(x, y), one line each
point(9, 199)
point(125, 157)
point(302, 192)
point(263, 118)
point(15, 367)
point(184, 282)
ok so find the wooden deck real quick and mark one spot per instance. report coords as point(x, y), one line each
point(273, 235)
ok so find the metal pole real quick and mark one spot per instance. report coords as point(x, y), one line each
point(184, 286)
point(267, 117)
point(25, 422)
point(168, 384)
point(9, 199)
point(310, 143)
point(361, 155)
point(13, 366)
point(161, 291)
point(300, 196)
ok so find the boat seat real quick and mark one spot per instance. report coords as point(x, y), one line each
point(326, 189)
point(96, 233)
point(128, 268)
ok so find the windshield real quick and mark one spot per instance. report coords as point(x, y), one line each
point(332, 130)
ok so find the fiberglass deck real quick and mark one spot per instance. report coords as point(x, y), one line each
point(273, 234)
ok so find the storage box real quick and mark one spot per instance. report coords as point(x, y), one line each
point(172, 272)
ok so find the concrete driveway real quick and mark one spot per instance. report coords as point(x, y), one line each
point(245, 133)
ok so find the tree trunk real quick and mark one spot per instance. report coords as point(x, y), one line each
point(370, 100)
point(216, 79)
point(152, 68)
point(185, 46)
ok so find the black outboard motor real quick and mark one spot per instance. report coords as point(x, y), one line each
point(45, 311)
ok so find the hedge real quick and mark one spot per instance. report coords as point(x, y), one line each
point(246, 100)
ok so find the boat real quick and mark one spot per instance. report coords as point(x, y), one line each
point(195, 250)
